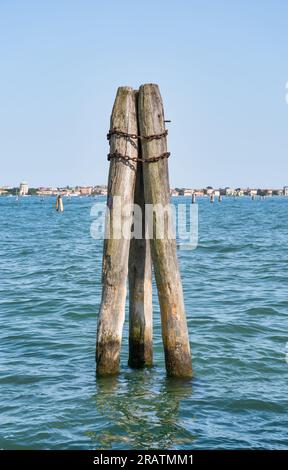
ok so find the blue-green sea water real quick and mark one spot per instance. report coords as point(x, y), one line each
point(236, 296)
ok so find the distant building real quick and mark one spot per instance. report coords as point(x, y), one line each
point(174, 192)
point(230, 191)
point(23, 189)
point(239, 192)
point(251, 192)
point(85, 190)
point(198, 192)
point(285, 191)
point(209, 191)
point(46, 191)
point(187, 192)
point(100, 190)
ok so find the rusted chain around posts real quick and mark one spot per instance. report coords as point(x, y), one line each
point(135, 136)
point(121, 181)
point(126, 158)
point(164, 250)
point(148, 138)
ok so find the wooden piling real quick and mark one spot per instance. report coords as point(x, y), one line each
point(59, 204)
point(121, 183)
point(140, 287)
point(164, 255)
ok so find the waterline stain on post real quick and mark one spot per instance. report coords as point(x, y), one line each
point(121, 182)
point(149, 162)
point(140, 287)
point(164, 255)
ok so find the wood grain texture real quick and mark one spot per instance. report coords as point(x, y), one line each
point(121, 183)
point(140, 287)
point(164, 254)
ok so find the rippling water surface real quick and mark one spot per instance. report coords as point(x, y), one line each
point(235, 286)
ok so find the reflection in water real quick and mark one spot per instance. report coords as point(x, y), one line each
point(141, 411)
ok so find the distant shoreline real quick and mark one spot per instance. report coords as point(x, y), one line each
point(69, 196)
point(101, 190)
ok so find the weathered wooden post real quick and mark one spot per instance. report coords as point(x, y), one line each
point(121, 183)
point(140, 286)
point(164, 255)
point(59, 204)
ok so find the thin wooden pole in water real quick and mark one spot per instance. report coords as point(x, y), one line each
point(121, 183)
point(164, 254)
point(59, 204)
point(140, 286)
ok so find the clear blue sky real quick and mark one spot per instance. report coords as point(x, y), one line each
point(221, 67)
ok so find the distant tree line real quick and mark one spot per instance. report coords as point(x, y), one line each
point(15, 191)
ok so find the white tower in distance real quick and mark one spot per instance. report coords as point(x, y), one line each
point(23, 189)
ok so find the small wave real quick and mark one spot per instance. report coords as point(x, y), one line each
point(262, 311)
point(256, 405)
